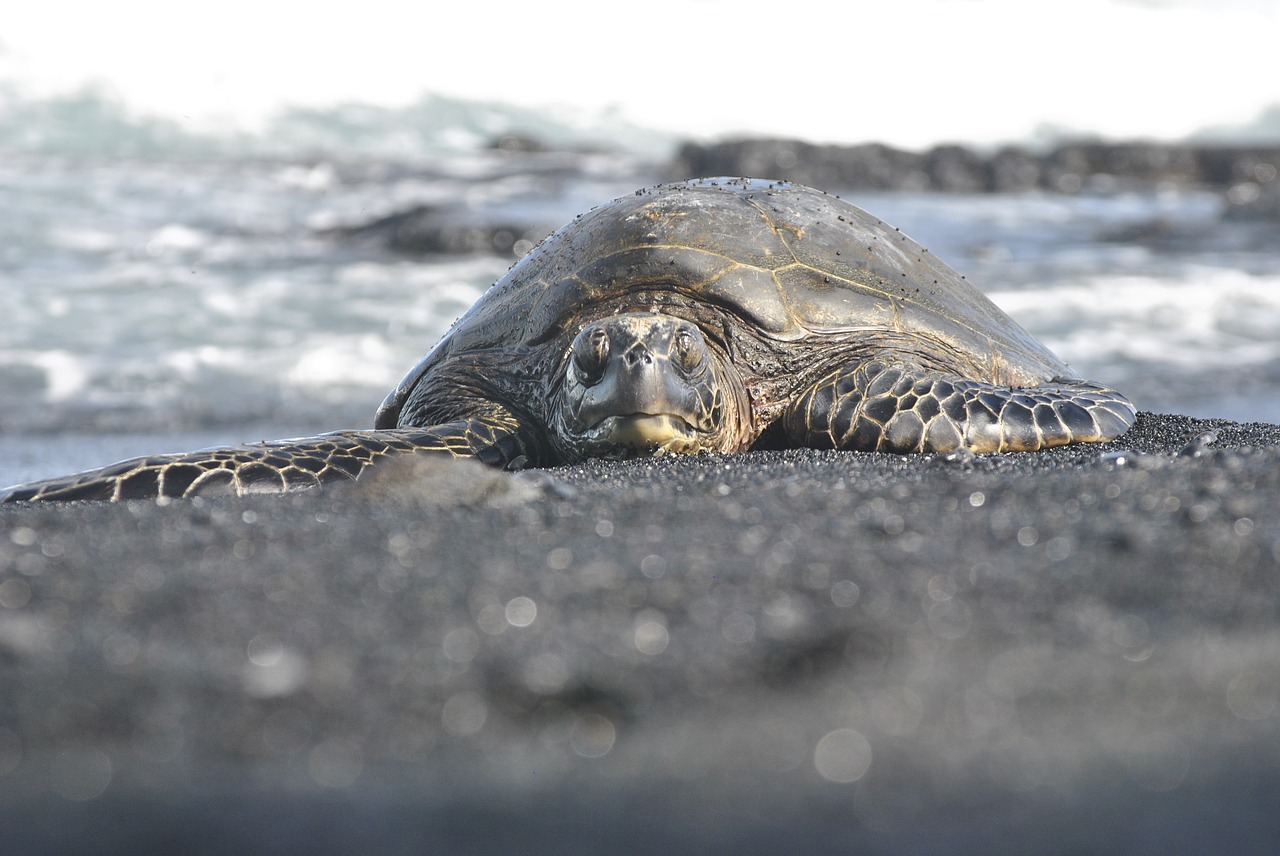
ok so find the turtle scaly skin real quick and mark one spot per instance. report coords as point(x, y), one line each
point(714, 315)
point(282, 466)
point(899, 408)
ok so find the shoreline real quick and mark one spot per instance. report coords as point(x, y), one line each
point(734, 654)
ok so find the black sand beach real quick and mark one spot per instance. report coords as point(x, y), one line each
point(1069, 651)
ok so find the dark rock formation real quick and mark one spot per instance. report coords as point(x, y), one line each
point(957, 169)
point(1015, 170)
point(871, 166)
point(427, 229)
point(1069, 168)
point(518, 144)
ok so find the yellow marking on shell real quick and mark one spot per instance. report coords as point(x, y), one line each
point(773, 227)
point(735, 264)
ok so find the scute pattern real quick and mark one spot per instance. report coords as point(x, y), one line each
point(285, 466)
point(899, 407)
point(792, 263)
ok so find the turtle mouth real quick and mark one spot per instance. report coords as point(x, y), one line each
point(648, 433)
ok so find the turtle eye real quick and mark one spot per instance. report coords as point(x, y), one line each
point(590, 352)
point(688, 349)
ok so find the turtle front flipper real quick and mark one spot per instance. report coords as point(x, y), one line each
point(895, 406)
point(283, 466)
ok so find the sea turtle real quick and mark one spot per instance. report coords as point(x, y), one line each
point(713, 315)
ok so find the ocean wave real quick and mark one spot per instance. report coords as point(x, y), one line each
point(1203, 317)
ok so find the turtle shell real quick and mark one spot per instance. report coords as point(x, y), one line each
point(790, 262)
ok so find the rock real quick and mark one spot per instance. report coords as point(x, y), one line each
point(518, 144)
point(429, 229)
point(1015, 170)
point(1076, 163)
point(865, 167)
point(429, 482)
point(1068, 168)
point(956, 169)
point(1226, 166)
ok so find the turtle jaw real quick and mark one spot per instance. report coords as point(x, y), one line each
point(643, 434)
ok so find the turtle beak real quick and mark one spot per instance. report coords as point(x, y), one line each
point(641, 433)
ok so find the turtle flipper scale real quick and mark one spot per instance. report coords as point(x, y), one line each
point(283, 466)
point(894, 406)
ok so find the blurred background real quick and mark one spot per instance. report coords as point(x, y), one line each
point(248, 221)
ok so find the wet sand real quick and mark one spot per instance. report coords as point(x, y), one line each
point(1068, 651)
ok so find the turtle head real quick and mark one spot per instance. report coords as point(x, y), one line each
point(647, 384)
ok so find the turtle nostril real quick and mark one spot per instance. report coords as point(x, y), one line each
point(638, 354)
